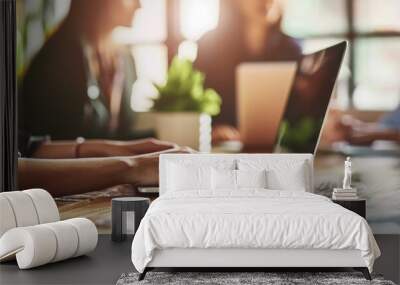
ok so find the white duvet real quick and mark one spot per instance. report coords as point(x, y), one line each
point(250, 219)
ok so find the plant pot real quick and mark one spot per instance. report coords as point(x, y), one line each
point(144, 121)
point(185, 129)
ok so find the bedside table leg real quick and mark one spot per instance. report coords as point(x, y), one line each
point(364, 271)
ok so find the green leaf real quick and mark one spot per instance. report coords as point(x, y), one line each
point(184, 91)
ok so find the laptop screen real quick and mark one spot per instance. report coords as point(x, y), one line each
point(308, 101)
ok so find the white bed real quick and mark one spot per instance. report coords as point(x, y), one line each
point(194, 223)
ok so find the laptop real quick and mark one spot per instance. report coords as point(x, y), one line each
point(303, 118)
point(262, 90)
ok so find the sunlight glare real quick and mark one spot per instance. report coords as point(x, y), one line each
point(198, 17)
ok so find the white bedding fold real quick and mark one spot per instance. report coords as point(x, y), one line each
point(250, 219)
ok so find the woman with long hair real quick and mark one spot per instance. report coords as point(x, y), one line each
point(79, 83)
point(75, 108)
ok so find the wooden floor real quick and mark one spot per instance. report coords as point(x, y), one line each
point(110, 260)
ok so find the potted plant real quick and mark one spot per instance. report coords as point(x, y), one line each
point(184, 107)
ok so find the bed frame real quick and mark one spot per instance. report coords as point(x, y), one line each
point(240, 259)
point(246, 259)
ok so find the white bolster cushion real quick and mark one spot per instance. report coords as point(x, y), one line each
point(33, 246)
point(66, 239)
point(26, 208)
point(23, 208)
point(87, 235)
point(45, 205)
point(37, 245)
point(7, 219)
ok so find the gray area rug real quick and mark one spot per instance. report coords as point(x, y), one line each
point(232, 278)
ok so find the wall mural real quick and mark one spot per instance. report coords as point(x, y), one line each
point(95, 88)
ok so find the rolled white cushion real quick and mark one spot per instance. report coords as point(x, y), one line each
point(37, 245)
point(87, 235)
point(23, 208)
point(45, 205)
point(66, 238)
point(33, 246)
point(7, 218)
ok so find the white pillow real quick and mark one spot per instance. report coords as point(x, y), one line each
point(251, 178)
point(223, 179)
point(181, 177)
point(227, 179)
point(282, 174)
point(279, 180)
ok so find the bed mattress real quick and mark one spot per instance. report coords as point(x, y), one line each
point(250, 219)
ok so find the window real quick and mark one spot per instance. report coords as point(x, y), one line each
point(147, 39)
point(370, 77)
point(197, 17)
point(373, 15)
point(314, 17)
point(377, 73)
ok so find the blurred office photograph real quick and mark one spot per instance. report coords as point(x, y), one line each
point(200, 141)
point(105, 86)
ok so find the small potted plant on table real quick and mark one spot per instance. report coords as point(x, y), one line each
point(184, 107)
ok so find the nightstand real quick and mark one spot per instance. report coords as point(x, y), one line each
point(358, 206)
point(126, 214)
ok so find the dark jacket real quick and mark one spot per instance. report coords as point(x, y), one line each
point(54, 97)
